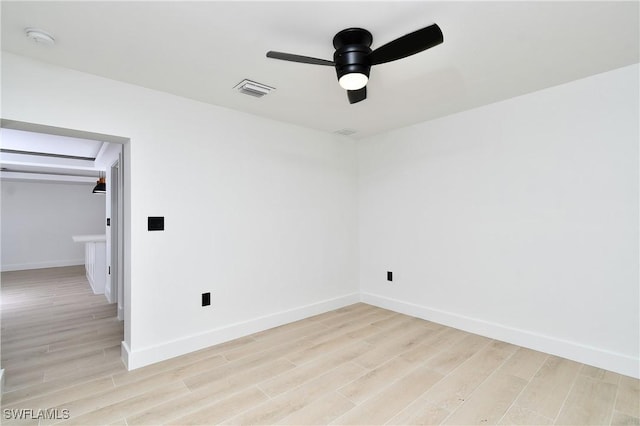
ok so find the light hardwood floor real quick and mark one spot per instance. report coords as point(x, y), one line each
point(355, 365)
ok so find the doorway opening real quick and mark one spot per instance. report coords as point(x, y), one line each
point(112, 162)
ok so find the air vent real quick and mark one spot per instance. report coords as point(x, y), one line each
point(253, 88)
point(345, 132)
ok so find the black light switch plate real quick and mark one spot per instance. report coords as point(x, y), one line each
point(155, 223)
point(206, 299)
point(389, 276)
point(108, 221)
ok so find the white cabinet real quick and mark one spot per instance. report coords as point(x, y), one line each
point(95, 260)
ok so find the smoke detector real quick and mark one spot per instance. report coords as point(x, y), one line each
point(253, 88)
point(345, 132)
point(39, 36)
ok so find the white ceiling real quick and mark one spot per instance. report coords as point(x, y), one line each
point(201, 50)
point(52, 145)
point(39, 156)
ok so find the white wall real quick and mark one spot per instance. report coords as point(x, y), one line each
point(39, 218)
point(517, 220)
point(261, 214)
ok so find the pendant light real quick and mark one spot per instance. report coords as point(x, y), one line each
point(101, 185)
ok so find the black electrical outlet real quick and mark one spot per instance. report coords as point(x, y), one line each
point(155, 223)
point(206, 299)
point(389, 276)
point(108, 221)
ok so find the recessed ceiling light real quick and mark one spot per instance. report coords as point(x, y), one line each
point(345, 132)
point(39, 36)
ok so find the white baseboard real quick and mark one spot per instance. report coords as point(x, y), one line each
point(145, 356)
point(617, 362)
point(124, 354)
point(107, 291)
point(41, 265)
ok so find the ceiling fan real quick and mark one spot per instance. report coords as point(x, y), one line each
point(353, 57)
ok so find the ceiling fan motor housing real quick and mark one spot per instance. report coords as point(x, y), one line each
point(352, 51)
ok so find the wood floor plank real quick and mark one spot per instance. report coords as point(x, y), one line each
point(391, 321)
point(307, 372)
point(234, 368)
point(88, 404)
point(311, 352)
point(204, 394)
point(440, 341)
point(63, 383)
point(64, 395)
point(590, 402)
point(110, 356)
point(320, 412)
point(406, 325)
point(286, 404)
point(420, 412)
point(517, 415)
point(524, 363)
point(455, 388)
point(392, 400)
point(286, 329)
point(343, 312)
point(267, 342)
point(347, 326)
point(628, 399)
point(445, 362)
point(359, 364)
point(361, 317)
point(620, 419)
point(14, 382)
point(600, 374)
point(548, 389)
point(200, 359)
point(223, 409)
point(489, 402)
point(376, 379)
point(116, 411)
point(382, 352)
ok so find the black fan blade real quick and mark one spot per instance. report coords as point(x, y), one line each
point(407, 45)
point(357, 95)
point(297, 58)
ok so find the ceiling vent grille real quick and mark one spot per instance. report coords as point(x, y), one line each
point(253, 88)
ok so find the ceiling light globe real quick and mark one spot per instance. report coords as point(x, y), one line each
point(39, 36)
point(353, 81)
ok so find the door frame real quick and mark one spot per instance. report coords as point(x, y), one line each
point(117, 236)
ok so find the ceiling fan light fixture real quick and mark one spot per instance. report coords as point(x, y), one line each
point(353, 81)
point(353, 56)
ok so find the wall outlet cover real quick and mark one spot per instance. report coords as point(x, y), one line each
point(206, 299)
point(155, 223)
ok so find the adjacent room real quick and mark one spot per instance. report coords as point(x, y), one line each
point(374, 212)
